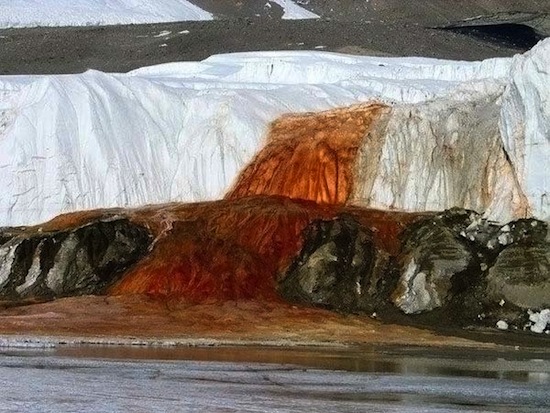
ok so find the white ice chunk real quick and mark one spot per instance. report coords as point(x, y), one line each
point(540, 320)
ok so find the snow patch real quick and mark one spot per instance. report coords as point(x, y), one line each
point(540, 319)
point(294, 12)
point(30, 13)
point(163, 33)
point(502, 325)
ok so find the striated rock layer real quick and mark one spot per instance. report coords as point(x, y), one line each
point(80, 260)
point(453, 267)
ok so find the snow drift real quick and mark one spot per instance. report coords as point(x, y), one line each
point(29, 13)
point(184, 131)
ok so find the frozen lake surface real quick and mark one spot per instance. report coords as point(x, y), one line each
point(245, 379)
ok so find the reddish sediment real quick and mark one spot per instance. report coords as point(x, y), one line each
point(130, 319)
point(228, 249)
point(220, 250)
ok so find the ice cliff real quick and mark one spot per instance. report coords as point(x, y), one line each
point(474, 134)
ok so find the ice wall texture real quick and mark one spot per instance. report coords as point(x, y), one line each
point(184, 131)
point(437, 155)
point(525, 125)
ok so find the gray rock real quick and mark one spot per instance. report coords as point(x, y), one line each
point(7, 233)
point(79, 261)
point(431, 256)
point(521, 276)
point(531, 230)
point(338, 267)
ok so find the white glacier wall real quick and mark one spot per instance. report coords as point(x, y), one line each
point(440, 154)
point(183, 131)
point(525, 124)
point(98, 140)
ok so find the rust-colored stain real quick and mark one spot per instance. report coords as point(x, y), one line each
point(310, 156)
point(220, 250)
point(140, 317)
point(236, 248)
point(189, 264)
point(229, 249)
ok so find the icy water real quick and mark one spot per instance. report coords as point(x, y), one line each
point(251, 379)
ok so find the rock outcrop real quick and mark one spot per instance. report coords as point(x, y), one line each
point(480, 272)
point(339, 267)
point(431, 260)
point(520, 274)
point(77, 261)
point(241, 249)
point(453, 268)
point(216, 251)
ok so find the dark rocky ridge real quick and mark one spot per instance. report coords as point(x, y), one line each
point(432, 13)
point(79, 261)
point(454, 269)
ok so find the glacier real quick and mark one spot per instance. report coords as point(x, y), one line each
point(31, 13)
point(53, 13)
point(183, 131)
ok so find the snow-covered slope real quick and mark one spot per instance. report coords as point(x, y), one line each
point(29, 13)
point(183, 131)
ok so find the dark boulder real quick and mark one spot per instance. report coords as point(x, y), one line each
point(521, 276)
point(78, 261)
point(458, 267)
point(434, 262)
point(518, 281)
point(339, 268)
